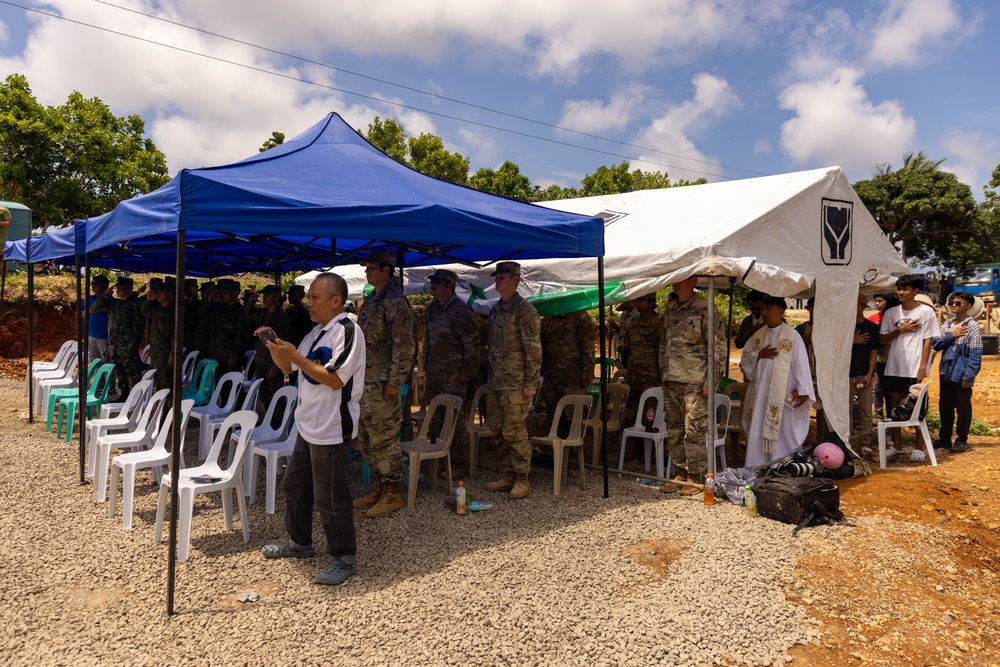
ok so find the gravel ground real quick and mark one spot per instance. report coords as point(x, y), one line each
point(640, 578)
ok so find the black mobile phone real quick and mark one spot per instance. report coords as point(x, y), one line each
point(267, 335)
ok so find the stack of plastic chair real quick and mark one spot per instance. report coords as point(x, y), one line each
point(617, 400)
point(142, 437)
point(478, 427)
point(124, 420)
point(156, 458)
point(97, 395)
point(44, 366)
point(210, 477)
point(580, 404)
point(223, 402)
point(45, 381)
point(423, 449)
point(203, 383)
point(71, 388)
point(655, 438)
point(187, 369)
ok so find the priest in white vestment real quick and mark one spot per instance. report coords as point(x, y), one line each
point(776, 416)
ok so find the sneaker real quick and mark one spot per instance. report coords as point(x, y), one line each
point(891, 452)
point(960, 446)
point(918, 455)
point(336, 572)
point(941, 444)
point(287, 549)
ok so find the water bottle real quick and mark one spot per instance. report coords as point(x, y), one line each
point(461, 507)
point(710, 489)
point(750, 500)
point(476, 506)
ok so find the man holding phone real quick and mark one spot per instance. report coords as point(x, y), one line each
point(331, 365)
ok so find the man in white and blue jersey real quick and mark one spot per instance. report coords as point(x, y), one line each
point(331, 365)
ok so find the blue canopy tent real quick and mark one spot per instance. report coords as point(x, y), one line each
point(324, 198)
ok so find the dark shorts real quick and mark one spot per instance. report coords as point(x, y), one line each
point(898, 385)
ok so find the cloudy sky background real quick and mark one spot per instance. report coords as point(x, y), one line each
point(722, 89)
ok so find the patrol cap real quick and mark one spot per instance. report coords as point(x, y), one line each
point(124, 282)
point(507, 269)
point(5, 214)
point(208, 284)
point(154, 283)
point(168, 284)
point(270, 289)
point(191, 282)
point(297, 289)
point(444, 274)
point(380, 257)
point(100, 279)
point(228, 283)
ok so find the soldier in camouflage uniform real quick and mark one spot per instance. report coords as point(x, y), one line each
point(203, 330)
point(269, 314)
point(686, 381)
point(229, 329)
point(390, 329)
point(153, 285)
point(640, 351)
point(567, 359)
point(125, 328)
point(515, 362)
point(192, 308)
point(298, 316)
point(451, 357)
point(159, 312)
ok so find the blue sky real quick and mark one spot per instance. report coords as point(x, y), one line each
point(723, 89)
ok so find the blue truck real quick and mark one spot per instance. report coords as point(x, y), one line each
point(983, 280)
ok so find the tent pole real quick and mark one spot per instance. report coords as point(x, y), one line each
point(84, 375)
point(602, 329)
point(176, 434)
point(399, 263)
point(710, 372)
point(31, 329)
point(729, 329)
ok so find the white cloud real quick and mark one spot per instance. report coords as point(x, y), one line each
point(763, 146)
point(908, 31)
point(669, 134)
point(594, 116)
point(836, 123)
point(478, 147)
point(972, 157)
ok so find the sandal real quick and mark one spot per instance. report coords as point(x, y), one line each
point(287, 549)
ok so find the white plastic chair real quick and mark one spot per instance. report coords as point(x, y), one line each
point(421, 449)
point(187, 369)
point(223, 402)
point(617, 402)
point(654, 439)
point(229, 479)
point(478, 427)
point(109, 409)
point(43, 366)
point(45, 381)
point(142, 437)
point(249, 372)
point(914, 420)
point(155, 458)
point(125, 418)
point(272, 443)
point(271, 452)
point(580, 404)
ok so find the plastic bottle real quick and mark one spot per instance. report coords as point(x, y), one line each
point(649, 418)
point(476, 506)
point(461, 507)
point(710, 489)
point(750, 500)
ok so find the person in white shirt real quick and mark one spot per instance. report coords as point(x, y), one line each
point(331, 364)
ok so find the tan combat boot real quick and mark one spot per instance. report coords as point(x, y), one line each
point(670, 487)
point(504, 484)
point(521, 488)
point(692, 490)
point(388, 503)
point(372, 498)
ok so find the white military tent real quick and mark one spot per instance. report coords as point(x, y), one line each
point(785, 235)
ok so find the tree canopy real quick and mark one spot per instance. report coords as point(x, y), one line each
point(72, 161)
point(924, 210)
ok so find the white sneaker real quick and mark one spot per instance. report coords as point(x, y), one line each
point(891, 452)
point(918, 455)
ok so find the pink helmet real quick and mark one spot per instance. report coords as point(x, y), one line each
point(829, 454)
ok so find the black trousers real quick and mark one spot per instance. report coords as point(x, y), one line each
point(318, 473)
point(955, 399)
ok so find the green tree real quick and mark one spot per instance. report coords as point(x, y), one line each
point(507, 181)
point(428, 156)
point(72, 161)
point(927, 212)
point(389, 137)
point(985, 243)
point(553, 193)
point(276, 139)
point(621, 178)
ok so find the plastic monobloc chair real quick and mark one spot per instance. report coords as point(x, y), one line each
point(581, 405)
point(653, 440)
point(478, 427)
point(67, 391)
point(223, 402)
point(54, 377)
point(914, 420)
point(187, 369)
point(142, 437)
point(57, 363)
point(224, 480)
point(617, 401)
point(272, 443)
point(97, 395)
point(272, 452)
point(203, 383)
point(156, 458)
point(422, 449)
point(124, 419)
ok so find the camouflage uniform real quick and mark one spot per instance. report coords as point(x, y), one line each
point(161, 341)
point(300, 323)
point(125, 329)
point(515, 362)
point(227, 343)
point(683, 370)
point(203, 328)
point(390, 330)
point(567, 357)
point(267, 370)
point(641, 346)
point(192, 314)
point(451, 349)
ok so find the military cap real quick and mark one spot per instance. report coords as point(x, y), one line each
point(169, 284)
point(270, 289)
point(208, 284)
point(190, 282)
point(297, 289)
point(228, 283)
point(507, 269)
point(4, 214)
point(100, 279)
point(124, 282)
point(154, 282)
point(444, 274)
point(380, 257)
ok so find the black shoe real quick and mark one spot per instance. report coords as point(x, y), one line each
point(942, 444)
point(960, 446)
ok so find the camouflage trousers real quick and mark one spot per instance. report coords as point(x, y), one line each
point(686, 412)
point(270, 384)
point(460, 443)
point(164, 377)
point(128, 369)
point(508, 411)
point(378, 432)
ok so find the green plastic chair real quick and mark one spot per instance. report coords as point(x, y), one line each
point(97, 396)
point(65, 392)
point(203, 384)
